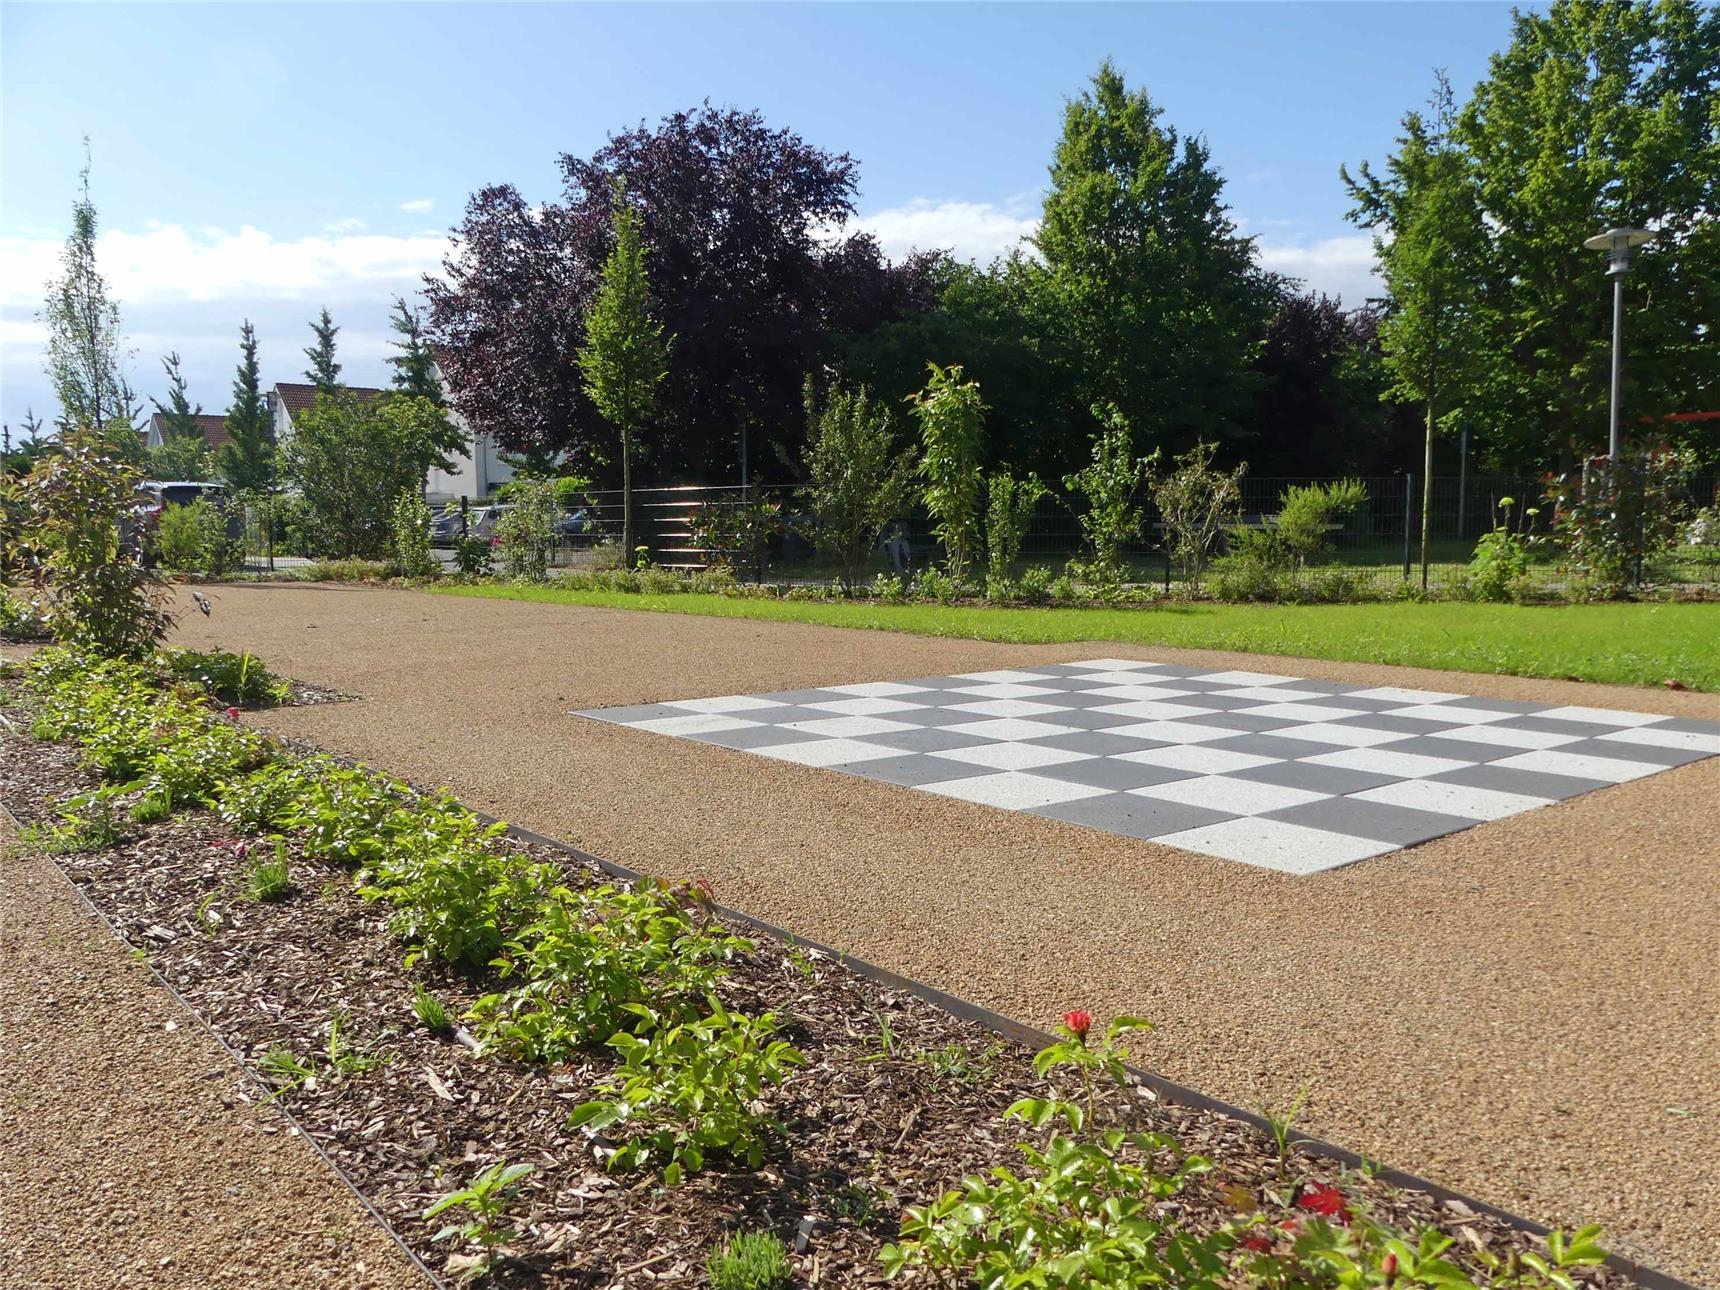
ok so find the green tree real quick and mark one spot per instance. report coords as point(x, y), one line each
point(1010, 504)
point(1428, 240)
point(86, 359)
point(351, 458)
point(1157, 295)
point(1111, 484)
point(324, 372)
point(246, 462)
point(1599, 113)
point(415, 364)
point(858, 482)
point(625, 355)
point(178, 417)
point(952, 422)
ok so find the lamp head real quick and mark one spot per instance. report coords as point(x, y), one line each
point(1618, 243)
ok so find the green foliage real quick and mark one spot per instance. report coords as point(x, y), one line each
point(282, 1068)
point(1110, 484)
point(192, 538)
point(246, 462)
point(688, 1088)
point(749, 1261)
point(19, 618)
point(344, 1056)
point(952, 418)
point(1501, 560)
point(431, 1011)
point(1306, 513)
point(473, 557)
point(588, 956)
point(625, 355)
point(268, 878)
point(410, 536)
point(350, 458)
point(90, 825)
point(1610, 517)
point(1195, 503)
point(526, 532)
point(347, 815)
point(485, 1199)
point(736, 534)
point(85, 345)
point(267, 799)
point(1009, 507)
point(181, 459)
point(456, 895)
point(1153, 293)
point(77, 508)
point(858, 483)
point(323, 372)
point(415, 365)
point(226, 677)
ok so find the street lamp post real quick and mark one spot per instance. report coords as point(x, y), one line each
point(1618, 243)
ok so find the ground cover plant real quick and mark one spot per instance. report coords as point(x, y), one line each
point(743, 1086)
point(1623, 644)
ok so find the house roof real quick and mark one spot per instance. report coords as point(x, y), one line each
point(298, 398)
point(213, 426)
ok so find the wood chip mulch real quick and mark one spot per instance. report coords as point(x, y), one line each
point(874, 1122)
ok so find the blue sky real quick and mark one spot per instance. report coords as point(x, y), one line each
point(264, 160)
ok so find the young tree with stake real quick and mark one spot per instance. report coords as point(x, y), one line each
point(625, 355)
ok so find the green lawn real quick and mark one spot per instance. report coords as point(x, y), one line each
point(1628, 644)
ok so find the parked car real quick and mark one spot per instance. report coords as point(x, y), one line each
point(483, 521)
point(445, 526)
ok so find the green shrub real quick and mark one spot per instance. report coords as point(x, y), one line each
point(192, 538)
point(267, 799)
point(409, 535)
point(1196, 503)
point(690, 1088)
point(1009, 508)
point(951, 415)
point(858, 482)
point(344, 571)
point(1110, 483)
point(749, 1261)
point(1035, 585)
point(347, 815)
point(19, 619)
point(473, 557)
point(526, 532)
point(935, 584)
point(588, 955)
point(228, 678)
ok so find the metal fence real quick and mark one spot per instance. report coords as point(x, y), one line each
point(1378, 545)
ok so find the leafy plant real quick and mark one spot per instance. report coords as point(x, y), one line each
point(1195, 503)
point(858, 482)
point(736, 533)
point(409, 535)
point(525, 535)
point(81, 525)
point(343, 1055)
point(431, 1011)
point(1613, 516)
point(1009, 507)
point(588, 956)
point(1306, 514)
point(690, 1088)
point(152, 807)
point(268, 877)
point(282, 1068)
point(485, 1199)
point(89, 826)
point(1282, 1123)
point(224, 676)
point(1501, 558)
point(1106, 1056)
point(952, 417)
point(193, 537)
point(267, 798)
point(473, 557)
point(749, 1261)
point(1110, 483)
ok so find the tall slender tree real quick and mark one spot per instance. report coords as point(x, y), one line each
point(625, 355)
point(178, 416)
point(247, 459)
point(324, 372)
point(1428, 239)
point(86, 356)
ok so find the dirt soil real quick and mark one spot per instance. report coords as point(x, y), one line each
point(136, 1154)
point(1524, 1011)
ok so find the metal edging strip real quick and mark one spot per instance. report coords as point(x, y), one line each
point(1639, 1274)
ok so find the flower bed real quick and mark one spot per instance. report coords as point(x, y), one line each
point(439, 1004)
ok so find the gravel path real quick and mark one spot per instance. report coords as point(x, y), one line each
point(1524, 1011)
point(132, 1156)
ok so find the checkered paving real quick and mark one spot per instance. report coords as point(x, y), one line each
point(1287, 774)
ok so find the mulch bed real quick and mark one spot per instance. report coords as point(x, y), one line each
point(872, 1126)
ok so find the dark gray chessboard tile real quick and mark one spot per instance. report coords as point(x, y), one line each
point(1293, 775)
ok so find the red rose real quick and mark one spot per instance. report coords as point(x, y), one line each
point(233, 714)
point(1080, 1021)
point(1389, 1266)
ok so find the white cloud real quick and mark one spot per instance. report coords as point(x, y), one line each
point(978, 231)
point(351, 224)
point(1339, 266)
point(417, 206)
point(175, 263)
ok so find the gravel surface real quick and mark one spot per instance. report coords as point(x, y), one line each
point(135, 1153)
point(1523, 1011)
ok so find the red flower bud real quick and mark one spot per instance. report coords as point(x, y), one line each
point(232, 714)
point(1080, 1021)
point(1389, 1266)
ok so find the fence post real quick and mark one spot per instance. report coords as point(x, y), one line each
point(1408, 519)
point(465, 503)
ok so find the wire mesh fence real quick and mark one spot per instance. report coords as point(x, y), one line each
point(768, 533)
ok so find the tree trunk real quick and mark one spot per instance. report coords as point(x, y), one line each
point(1426, 493)
point(627, 557)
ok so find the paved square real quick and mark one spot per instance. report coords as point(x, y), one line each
point(1287, 774)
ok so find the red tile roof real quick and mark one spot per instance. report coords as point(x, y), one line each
point(298, 398)
point(213, 426)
